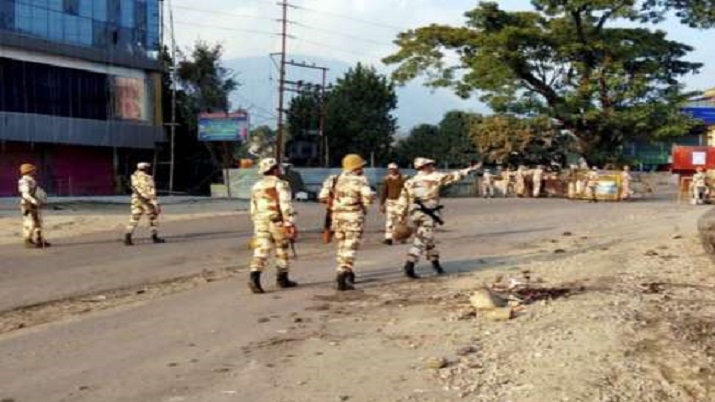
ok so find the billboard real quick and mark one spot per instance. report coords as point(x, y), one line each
point(130, 99)
point(223, 126)
point(706, 114)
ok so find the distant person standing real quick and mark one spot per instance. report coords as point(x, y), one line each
point(144, 202)
point(626, 179)
point(389, 194)
point(592, 179)
point(488, 184)
point(32, 199)
point(538, 180)
point(700, 186)
point(520, 177)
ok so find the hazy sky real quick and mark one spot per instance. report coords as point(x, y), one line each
point(356, 30)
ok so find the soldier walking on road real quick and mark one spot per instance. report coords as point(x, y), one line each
point(273, 224)
point(419, 202)
point(389, 195)
point(626, 179)
point(520, 176)
point(32, 199)
point(348, 195)
point(144, 202)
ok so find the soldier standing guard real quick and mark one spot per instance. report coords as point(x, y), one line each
point(274, 225)
point(389, 195)
point(626, 179)
point(348, 195)
point(488, 184)
point(420, 203)
point(592, 179)
point(538, 180)
point(144, 202)
point(700, 186)
point(32, 199)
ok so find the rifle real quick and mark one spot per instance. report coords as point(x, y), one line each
point(431, 212)
point(328, 223)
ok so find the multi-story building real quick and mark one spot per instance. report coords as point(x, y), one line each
point(80, 91)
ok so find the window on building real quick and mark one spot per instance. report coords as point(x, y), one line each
point(70, 6)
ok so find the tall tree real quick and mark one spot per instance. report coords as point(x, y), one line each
point(359, 115)
point(208, 86)
point(303, 118)
point(570, 60)
point(449, 142)
point(511, 140)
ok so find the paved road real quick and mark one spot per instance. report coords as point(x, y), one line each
point(187, 346)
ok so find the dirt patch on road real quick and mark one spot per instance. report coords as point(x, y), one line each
point(631, 326)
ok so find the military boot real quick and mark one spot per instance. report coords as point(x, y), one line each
point(156, 239)
point(128, 240)
point(387, 242)
point(255, 282)
point(283, 281)
point(342, 282)
point(42, 243)
point(437, 267)
point(350, 277)
point(410, 270)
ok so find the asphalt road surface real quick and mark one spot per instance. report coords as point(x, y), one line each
point(188, 345)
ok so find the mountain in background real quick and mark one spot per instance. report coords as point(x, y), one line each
point(259, 82)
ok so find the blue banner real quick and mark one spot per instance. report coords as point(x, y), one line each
point(706, 114)
point(229, 127)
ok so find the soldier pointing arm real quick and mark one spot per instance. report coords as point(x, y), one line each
point(419, 202)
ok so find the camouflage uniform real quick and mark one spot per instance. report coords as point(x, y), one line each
point(30, 207)
point(144, 202)
point(626, 179)
point(425, 187)
point(351, 197)
point(488, 184)
point(520, 176)
point(592, 185)
point(700, 187)
point(391, 188)
point(271, 208)
point(538, 179)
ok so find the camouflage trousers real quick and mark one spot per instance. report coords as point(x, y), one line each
point(537, 189)
point(348, 235)
point(267, 236)
point(487, 190)
point(138, 209)
point(424, 241)
point(392, 217)
point(31, 224)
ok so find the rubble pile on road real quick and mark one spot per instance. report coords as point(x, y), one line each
point(504, 298)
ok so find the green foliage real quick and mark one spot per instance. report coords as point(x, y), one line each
point(449, 142)
point(205, 80)
point(695, 13)
point(359, 116)
point(303, 116)
point(507, 139)
point(605, 84)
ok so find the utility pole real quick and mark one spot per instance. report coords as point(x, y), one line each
point(173, 99)
point(281, 82)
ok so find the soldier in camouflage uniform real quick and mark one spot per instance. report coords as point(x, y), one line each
point(144, 202)
point(424, 188)
point(31, 202)
point(389, 194)
point(349, 195)
point(274, 225)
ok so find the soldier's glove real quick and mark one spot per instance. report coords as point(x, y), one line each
point(290, 231)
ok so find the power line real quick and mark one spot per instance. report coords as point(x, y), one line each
point(336, 33)
point(233, 14)
point(351, 18)
point(338, 49)
point(253, 31)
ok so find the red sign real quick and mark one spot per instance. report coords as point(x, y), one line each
point(690, 158)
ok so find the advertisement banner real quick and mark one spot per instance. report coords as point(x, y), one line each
point(229, 127)
point(130, 99)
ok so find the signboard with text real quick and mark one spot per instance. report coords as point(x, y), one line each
point(229, 127)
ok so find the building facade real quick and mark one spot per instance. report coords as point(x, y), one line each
point(80, 91)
